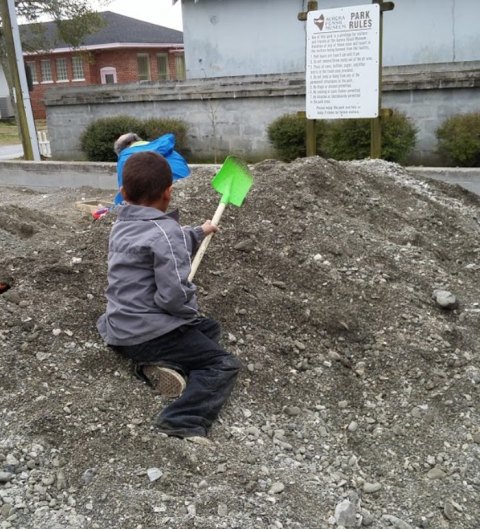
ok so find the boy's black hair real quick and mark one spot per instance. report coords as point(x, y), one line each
point(146, 175)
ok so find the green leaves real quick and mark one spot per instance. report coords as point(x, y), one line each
point(74, 19)
point(459, 139)
point(347, 139)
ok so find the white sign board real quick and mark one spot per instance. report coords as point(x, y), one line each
point(343, 47)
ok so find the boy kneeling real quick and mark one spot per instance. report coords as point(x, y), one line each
point(152, 314)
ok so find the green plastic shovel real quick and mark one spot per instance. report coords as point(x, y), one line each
point(233, 182)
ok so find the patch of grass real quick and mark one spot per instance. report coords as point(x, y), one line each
point(9, 133)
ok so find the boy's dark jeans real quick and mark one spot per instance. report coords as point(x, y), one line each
point(194, 350)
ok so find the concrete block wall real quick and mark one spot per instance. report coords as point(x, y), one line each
point(231, 115)
point(224, 116)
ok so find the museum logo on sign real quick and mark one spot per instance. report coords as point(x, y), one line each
point(327, 23)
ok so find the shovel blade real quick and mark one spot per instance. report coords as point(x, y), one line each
point(233, 181)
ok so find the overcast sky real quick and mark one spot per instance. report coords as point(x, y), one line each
point(160, 12)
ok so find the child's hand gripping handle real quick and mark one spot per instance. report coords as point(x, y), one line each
point(203, 247)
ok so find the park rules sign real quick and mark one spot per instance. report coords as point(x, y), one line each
point(342, 67)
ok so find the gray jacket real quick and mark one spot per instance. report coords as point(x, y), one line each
point(148, 291)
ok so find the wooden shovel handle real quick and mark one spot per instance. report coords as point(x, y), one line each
point(203, 247)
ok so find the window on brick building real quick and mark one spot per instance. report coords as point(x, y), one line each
point(108, 75)
point(46, 68)
point(162, 64)
point(62, 72)
point(77, 68)
point(180, 66)
point(33, 71)
point(143, 64)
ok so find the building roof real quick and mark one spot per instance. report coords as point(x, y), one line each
point(118, 29)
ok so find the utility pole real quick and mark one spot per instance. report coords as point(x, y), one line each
point(376, 123)
point(13, 46)
point(311, 124)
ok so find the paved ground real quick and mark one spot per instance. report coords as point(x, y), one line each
point(466, 177)
point(10, 152)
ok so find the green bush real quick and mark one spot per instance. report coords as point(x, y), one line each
point(154, 128)
point(349, 139)
point(459, 139)
point(288, 136)
point(98, 138)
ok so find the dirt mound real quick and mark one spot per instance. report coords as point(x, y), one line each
point(358, 403)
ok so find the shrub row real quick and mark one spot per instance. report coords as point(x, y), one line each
point(458, 137)
point(347, 139)
point(98, 138)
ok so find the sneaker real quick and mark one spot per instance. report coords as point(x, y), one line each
point(165, 381)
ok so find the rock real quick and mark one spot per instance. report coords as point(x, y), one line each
point(253, 431)
point(88, 475)
point(436, 473)
point(396, 522)
point(61, 480)
point(247, 245)
point(292, 411)
point(154, 473)
point(448, 510)
point(353, 426)
point(370, 488)
point(5, 477)
point(11, 460)
point(367, 518)
point(345, 514)
point(222, 509)
point(277, 488)
point(445, 299)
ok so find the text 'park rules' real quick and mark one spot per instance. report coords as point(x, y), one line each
point(342, 66)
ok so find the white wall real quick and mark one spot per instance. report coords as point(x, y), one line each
point(232, 37)
point(3, 84)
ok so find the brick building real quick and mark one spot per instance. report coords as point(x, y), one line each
point(124, 50)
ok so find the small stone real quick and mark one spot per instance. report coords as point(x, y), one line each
point(445, 299)
point(88, 475)
point(5, 477)
point(292, 411)
point(154, 473)
point(333, 355)
point(253, 431)
point(367, 518)
point(6, 510)
point(12, 460)
point(345, 514)
point(448, 510)
point(277, 488)
point(48, 480)
point(61, 480)
point(436, 473)
point(370, 488)
point(353, 426)
point(396, 522)
point(222, 509)
point(247, 245)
